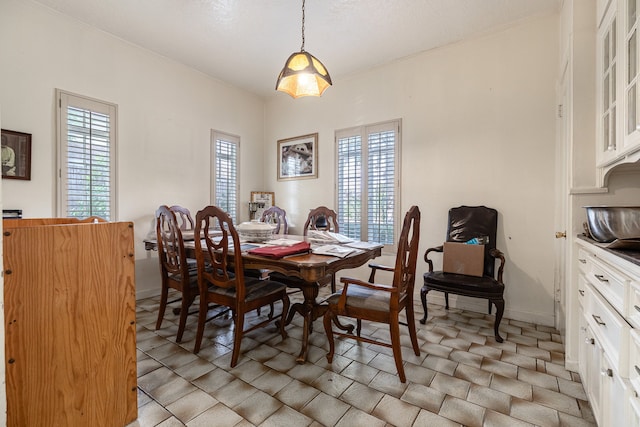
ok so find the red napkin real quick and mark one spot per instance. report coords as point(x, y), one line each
point(280, 251)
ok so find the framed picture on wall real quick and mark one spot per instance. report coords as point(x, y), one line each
point(260, 200)
point(298, 157)
point(16, 155)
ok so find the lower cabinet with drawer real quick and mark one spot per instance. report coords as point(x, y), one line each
point(608, 298)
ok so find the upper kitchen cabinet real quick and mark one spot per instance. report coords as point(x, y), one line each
point(618, 84)
point(607, 60)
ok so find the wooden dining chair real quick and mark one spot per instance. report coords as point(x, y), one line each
point(176, 273)
point(183, 215)
point(278, 217)
point(381, 303)
point(322, 218)
point(218, 285)
point(325, 219)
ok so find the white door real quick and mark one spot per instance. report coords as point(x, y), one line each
point(563, 132)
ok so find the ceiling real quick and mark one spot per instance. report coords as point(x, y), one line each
point(246, 42)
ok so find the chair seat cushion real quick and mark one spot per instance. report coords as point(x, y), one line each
point(462, 284)
point(254, 288)
point(361, 297)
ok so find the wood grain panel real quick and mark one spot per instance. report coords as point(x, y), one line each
point(70, 324)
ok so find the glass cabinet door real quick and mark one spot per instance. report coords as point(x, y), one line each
point(631, 116)
point(608, 61)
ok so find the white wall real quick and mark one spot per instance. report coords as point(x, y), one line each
point(166, 113)
point(478, 128)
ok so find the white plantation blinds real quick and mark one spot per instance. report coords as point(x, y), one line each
point(350, 185)
point(381, 186)
point(225, 165)
point(86, 157)
point(367, 182)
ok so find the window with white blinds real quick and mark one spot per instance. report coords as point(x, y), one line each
point(86, 153)
point(368, 190)
point(225, 173)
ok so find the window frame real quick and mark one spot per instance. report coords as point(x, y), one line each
point(234, 139)
point(363, 132)
point(65, 99)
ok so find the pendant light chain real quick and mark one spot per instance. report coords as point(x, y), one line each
point(302, 48)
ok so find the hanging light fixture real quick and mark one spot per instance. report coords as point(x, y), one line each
point(303, 74)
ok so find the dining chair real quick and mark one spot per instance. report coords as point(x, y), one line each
point(376, 302)
point(320, 218)
point(464, 224)
point(323, 218)
point(218, 285)
point(278, 217)
point(186, 224)
point(175, 271)
point(183, 215)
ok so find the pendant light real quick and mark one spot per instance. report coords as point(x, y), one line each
point(303, 74)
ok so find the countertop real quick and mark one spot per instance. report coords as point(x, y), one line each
point(632, 256)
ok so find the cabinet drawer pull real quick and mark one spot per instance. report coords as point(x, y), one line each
point(598, 320)
point(636, 307)
point(582, 261)
point(601, 278)
point(607, 372)
point(589, 341)
point(581, 292)
point(637, 369)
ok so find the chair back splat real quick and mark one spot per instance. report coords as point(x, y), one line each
point(278, 217)
point(368, 300)
point(322, 218)
point(466, 223)
point(183, 215)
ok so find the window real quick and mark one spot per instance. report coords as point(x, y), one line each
point(86, 157)
point(225, 173)
point(367, 179)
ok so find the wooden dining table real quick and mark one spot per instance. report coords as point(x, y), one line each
point(308, 267)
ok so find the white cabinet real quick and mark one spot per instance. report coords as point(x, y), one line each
point(618, 83)
point(607, 59)
point(608, 288)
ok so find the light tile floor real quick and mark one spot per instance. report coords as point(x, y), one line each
point(462, 376)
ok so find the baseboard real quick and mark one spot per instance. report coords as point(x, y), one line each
point(147, 293)
point(480, 305)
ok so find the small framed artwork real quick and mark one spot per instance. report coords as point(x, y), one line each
point(298, 157)
point(260, 200)
point(16, 155)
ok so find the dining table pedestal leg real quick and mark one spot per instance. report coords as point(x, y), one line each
point(310, 310)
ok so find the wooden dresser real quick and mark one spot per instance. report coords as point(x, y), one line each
point(69, 292)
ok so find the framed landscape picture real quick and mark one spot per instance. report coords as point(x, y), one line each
point(16, 155)
point(298, 157)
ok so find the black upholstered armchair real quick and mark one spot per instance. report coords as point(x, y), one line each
point(465, 223)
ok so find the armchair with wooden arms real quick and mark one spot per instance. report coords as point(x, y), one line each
point(381, 302)
point(466, 223)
